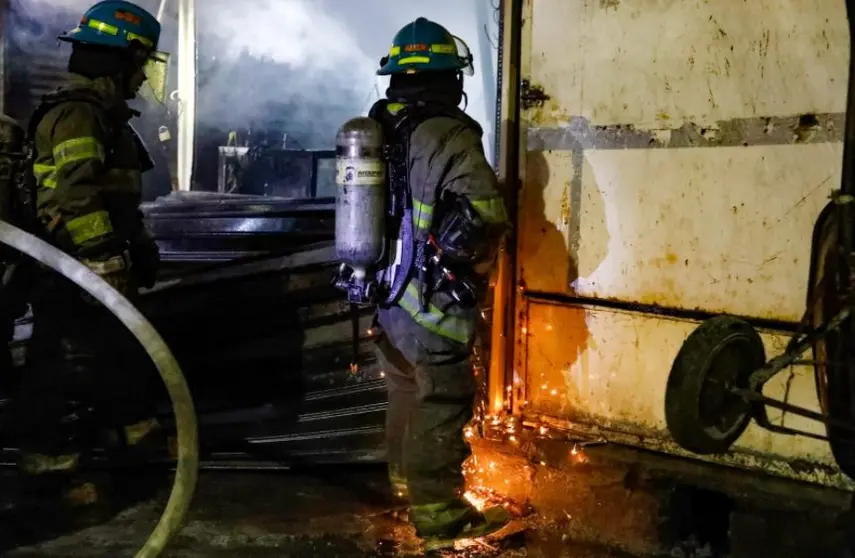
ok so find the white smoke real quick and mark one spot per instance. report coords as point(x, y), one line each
point(321, 57)
point(284, 64)
point(42, 6)
point(303, 65)
point(293, 32)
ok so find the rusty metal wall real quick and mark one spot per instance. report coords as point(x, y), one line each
point(675, 155)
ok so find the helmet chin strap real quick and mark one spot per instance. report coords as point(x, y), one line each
point(462, 91)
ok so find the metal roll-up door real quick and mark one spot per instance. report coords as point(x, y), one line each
point(34, 63)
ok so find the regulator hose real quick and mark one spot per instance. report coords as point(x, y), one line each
point(182, 402)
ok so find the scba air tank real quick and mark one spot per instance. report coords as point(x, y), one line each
point(360, 209)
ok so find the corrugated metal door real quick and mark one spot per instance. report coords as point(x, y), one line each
point(34, 62)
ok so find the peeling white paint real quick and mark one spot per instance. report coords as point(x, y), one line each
point(722, 229)
point(649, 62)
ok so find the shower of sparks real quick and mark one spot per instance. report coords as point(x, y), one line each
point(484, 476)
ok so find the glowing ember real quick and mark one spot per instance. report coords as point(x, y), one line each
point(480, 502)
point(578, 456)
point(482, 497)
point(468, 544)
point(354, 368)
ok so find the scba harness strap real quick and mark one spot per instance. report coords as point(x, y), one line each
point(115, 122)
point(399, 121)
point(48, 103)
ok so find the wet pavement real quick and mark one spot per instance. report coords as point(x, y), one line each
point(334, 512)
point(613, 503)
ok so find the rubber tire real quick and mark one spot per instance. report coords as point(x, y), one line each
point(836, 396)
point(842, 442)
point(688, 376)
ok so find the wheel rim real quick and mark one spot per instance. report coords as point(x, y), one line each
point(721, 412)
point(824, 305)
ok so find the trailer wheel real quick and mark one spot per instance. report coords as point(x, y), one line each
point(834, 369)
point(839, 403)
point(702, 415)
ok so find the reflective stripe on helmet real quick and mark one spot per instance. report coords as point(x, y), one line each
point(415, 60)
point(102, 27)
point(395, 50)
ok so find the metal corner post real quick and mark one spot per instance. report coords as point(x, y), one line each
point(502, 342)
point(186, 92)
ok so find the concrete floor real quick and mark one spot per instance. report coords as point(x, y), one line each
point(618, 503)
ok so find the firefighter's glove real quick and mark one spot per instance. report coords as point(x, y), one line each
point(146, 261)
point(115, 270)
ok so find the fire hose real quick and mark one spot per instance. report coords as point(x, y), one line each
point(182, 402)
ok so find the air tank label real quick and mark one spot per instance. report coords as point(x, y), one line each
point(360, 172)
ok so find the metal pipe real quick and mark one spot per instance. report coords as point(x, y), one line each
point(846, 210)
point(182, 402)
point(504, 295)
point(485, 12)
point(160, 11)
point(186, 92)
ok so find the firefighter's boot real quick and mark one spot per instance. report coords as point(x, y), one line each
point(441, 525)
point(52, 489)
point(140, 442)
point(147, 438)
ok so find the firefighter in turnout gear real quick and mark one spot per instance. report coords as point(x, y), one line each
point(88, 165)
point(455, 218)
